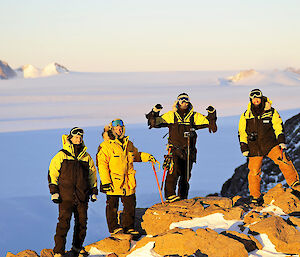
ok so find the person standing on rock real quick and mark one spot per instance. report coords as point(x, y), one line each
point(115, 158)
point(261, 134)
point(182, 122)
point(72, 182)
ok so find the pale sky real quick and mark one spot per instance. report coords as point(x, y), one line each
point(154, 35)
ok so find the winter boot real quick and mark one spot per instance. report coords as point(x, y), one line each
point(172, 199)
point(131, 231)
point(79, 252)
point(117, 231)
point(296, 186)
point(257, 201)
point(135, 234)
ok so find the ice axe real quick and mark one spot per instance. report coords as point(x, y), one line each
point(153, 167)
point(188, 135)
point(165, 169)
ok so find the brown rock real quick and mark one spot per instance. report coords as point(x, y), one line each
point(47, 253)
point(250, 242)
point(158, 218)
point(203, 242)
point(223, 202)
point(285, 237)
point(112, 245)
point(295, 221)
point(283, 198)
point(176, 241)
point(214, 244)
point(234, 213)
point(26, 253)
point(254, 216)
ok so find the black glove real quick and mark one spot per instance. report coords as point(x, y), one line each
point(56, 198)
point(157, 108)
point(212, 127)
point(104, 188)
point(212, 113)
point(153, 114)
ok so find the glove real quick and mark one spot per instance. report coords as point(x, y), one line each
point(212, 127)
point(106, 188)
point(157, 108)
point(56, 198)
point(283, 146)
point(210, 109)
point(93, 198)
point(246, 153)
point(151, 159)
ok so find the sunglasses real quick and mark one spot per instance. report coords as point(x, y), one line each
point(183, 99)
point(254, 94)
point(77, 131)
point(116, 123)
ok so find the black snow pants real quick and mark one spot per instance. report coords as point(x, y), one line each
point(112, 205)
point(66, 208)
point(179, 172)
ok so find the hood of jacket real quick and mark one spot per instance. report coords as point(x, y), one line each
point(175, 107)
point(268, 105)
point(68, 146)
point(109, 133)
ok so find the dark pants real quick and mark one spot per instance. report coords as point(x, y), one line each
point(179, 172)
point(66, 208)
point(112, 205)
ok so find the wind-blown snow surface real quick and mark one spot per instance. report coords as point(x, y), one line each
point(35, 113)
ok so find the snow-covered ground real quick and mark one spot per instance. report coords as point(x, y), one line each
point(34, 113)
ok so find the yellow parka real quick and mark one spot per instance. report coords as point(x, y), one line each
point(115, 165)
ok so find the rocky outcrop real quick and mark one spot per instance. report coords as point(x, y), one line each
point(26, 253)
point(284, 198)
point(271, 175)
point(119, 244)
point(286, 238)
point(158, 218)
point(6, 72)
point(171, 229)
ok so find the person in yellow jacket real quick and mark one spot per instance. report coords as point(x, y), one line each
point(72, 181)
point(115, 158)
point(261, 134)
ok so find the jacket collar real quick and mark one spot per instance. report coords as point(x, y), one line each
point(118, 142)
point(268, 105)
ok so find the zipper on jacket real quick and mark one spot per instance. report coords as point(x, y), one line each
point(256, 125)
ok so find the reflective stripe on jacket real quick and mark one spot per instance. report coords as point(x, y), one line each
point(178, 126)
point(71, 176)
point(115, 165)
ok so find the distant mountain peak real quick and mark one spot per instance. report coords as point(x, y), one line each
point(294, 70)
point(242, 75)
point(53, 69)
point(6, 72)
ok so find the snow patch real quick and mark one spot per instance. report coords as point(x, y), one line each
point(54, 69)
point(214, 221)
point(242, 75)
point(29, 71)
